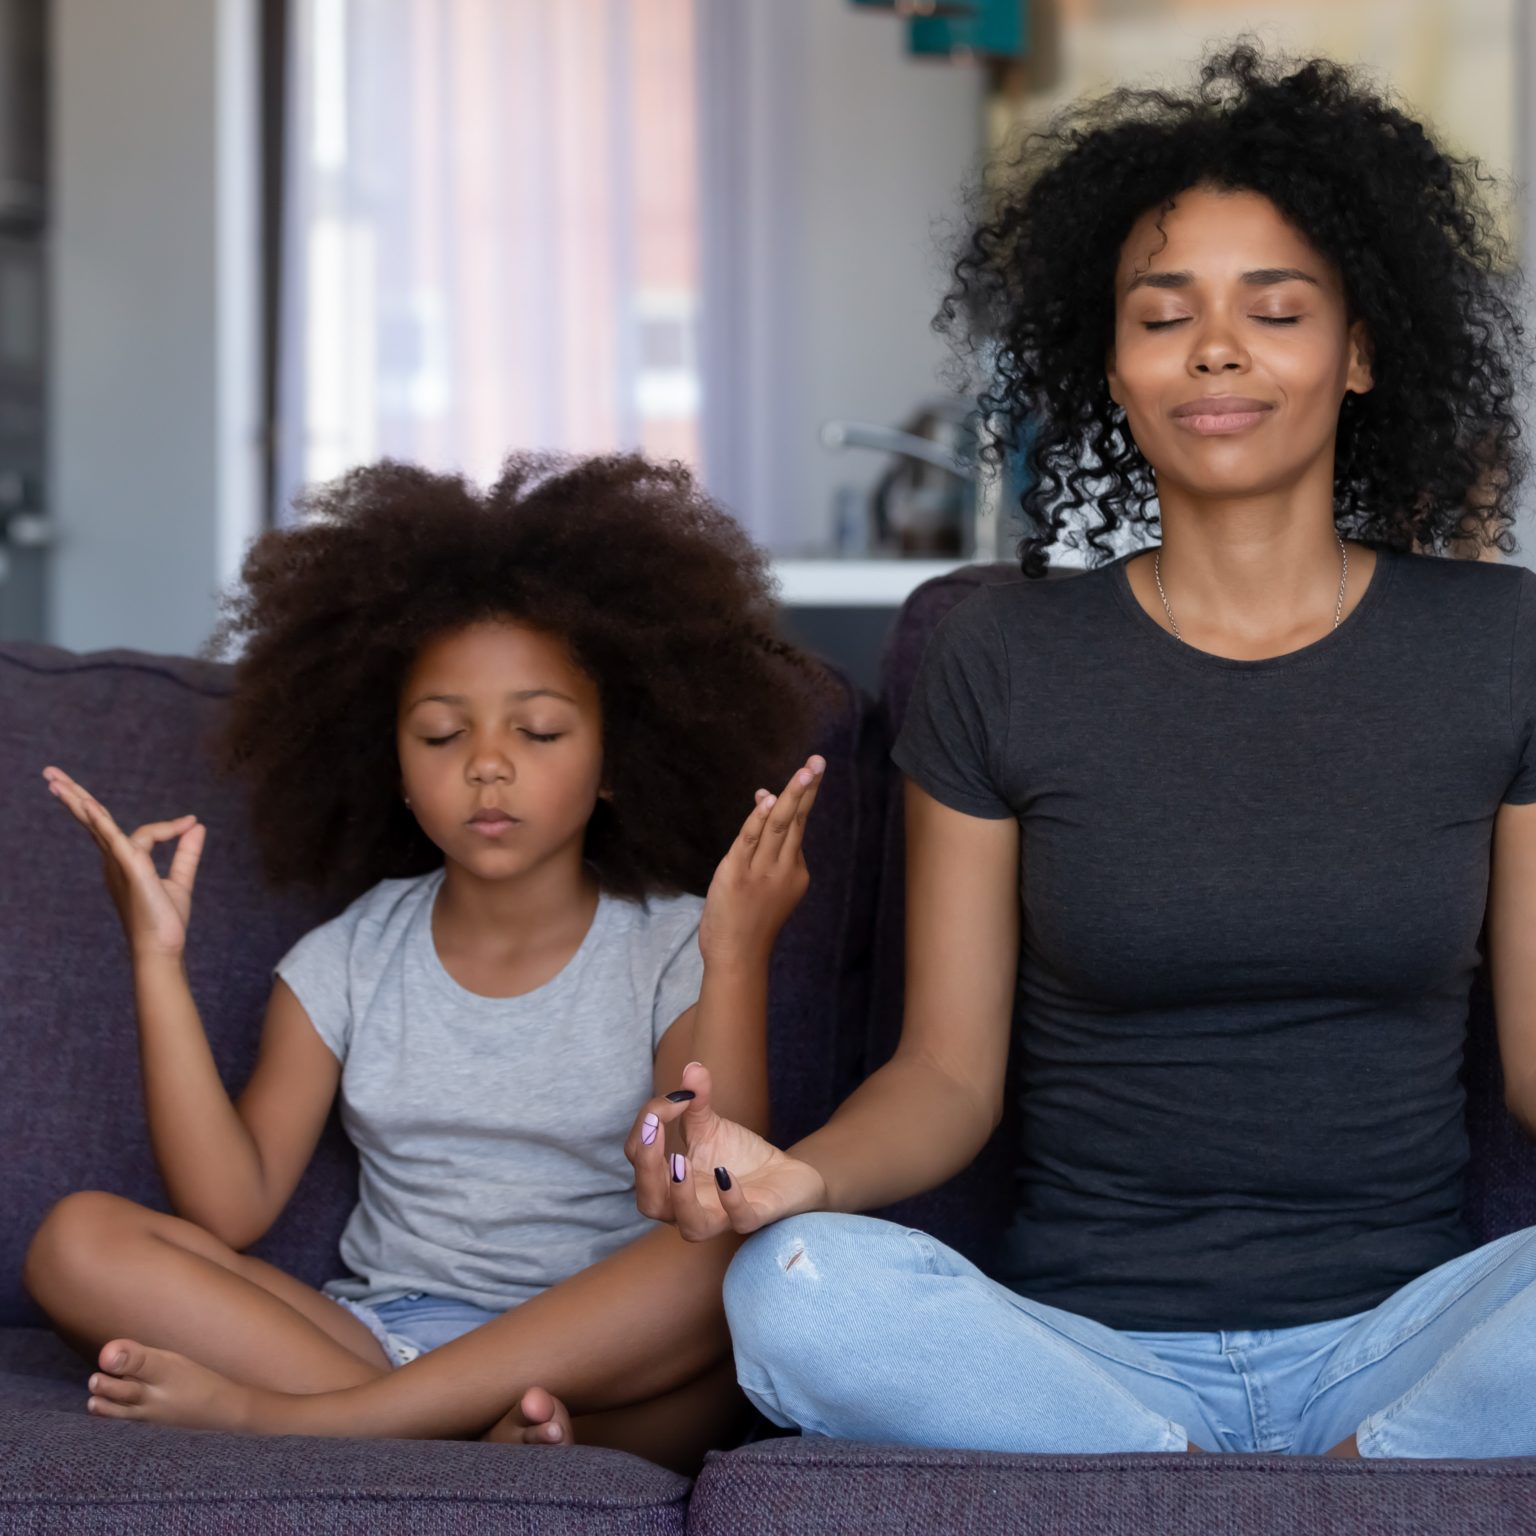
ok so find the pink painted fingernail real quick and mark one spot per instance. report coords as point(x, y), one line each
point(649, 1127)
point(679, 1167)
point(768, 800)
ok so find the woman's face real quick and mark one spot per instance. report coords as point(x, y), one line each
point(501, 748)
point(1233, 349)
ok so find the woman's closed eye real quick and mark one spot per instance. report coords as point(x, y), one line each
point(1163, 325)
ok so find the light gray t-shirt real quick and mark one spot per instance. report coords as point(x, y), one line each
point(490, 1131)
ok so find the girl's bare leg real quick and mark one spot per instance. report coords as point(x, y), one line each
point(101, 1266)
point(638, 1325)
point(675, 1429)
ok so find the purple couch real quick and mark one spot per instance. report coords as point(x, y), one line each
point(131, 726)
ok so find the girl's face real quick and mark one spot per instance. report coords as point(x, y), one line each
point(1233, 349)
point(501, 748)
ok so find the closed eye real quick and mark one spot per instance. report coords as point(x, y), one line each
point(543, 736)
point(439, 741)
point(1277, 319)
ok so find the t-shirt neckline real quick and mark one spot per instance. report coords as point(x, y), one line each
point(542, 995)
point(1381, 576)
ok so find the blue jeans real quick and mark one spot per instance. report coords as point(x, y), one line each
point(849, 1326)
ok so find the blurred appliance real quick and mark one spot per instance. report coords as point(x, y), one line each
point(939, 498)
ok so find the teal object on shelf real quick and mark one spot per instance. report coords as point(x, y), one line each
point(997, 28)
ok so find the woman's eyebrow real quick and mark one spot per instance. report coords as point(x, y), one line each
point(1260, 277)
point(1263, 276)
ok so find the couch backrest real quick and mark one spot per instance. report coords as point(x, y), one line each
point(133, 729)
point(969, 1211)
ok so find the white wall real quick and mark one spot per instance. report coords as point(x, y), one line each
point(154, 376)
point(842, 152)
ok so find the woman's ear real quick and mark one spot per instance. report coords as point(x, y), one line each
point(1111, 378)
point(1361, 377)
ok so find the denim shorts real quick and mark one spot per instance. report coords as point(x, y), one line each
point(412, 1324)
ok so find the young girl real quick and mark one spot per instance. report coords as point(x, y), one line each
point(523, 726)
point(1210, 836)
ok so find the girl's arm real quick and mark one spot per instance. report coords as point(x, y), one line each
point(230, 1170)
point(1512, 956)
point(759, 882)
point(923, 1116)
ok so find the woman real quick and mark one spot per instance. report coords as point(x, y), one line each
point(1216, 821)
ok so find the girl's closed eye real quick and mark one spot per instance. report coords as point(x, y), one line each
point(543, 735)
point(440, 741)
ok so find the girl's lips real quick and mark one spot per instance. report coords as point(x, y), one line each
point(493, 824)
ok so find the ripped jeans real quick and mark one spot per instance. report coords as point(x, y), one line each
point(855, 1327)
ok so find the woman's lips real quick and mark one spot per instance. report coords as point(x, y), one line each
point(1220, 414)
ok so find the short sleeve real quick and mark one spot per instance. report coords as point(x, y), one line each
point(1522, 693)
point(682, 973)
point(316, 970)
point(953, 740)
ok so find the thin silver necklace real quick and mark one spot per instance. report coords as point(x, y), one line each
point(1173, 623)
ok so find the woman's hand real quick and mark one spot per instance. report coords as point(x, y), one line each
point(762, 877)
point(154, 912)
point(728, 1180)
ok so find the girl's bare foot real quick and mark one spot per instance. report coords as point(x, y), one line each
point(136, 1382)
point(545, 1421)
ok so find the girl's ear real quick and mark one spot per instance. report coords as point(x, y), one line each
point(603, 794)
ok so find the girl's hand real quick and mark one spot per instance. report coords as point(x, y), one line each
point(762, 877)
point(729, 1179)
point(154, 912)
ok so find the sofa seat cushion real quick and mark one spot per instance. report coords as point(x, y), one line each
point(795, 1487)
point(62, 1471)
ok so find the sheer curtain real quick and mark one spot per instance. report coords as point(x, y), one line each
point(490, 233)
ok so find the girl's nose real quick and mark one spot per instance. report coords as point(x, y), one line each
point(491, 767)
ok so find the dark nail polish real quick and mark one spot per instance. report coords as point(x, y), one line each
point(679, 1167)
point(680, 1095)
point(722, 1178)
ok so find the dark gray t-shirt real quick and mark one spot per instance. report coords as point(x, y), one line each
point(1252, 899)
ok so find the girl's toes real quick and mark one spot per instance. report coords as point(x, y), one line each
point(117, 1389)
point(105, 1408)
point(122, 1357)
point(548, 1421)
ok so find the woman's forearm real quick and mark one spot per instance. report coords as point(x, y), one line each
point(210, 1164)
point(906, 1129)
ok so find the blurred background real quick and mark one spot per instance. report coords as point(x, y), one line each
point(245, 244)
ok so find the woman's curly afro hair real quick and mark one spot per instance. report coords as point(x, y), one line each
point(660, 596)
point(1428, 459)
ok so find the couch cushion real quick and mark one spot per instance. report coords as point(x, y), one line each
point(63, 1472)
point(132, 729)
point(798, 1487)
